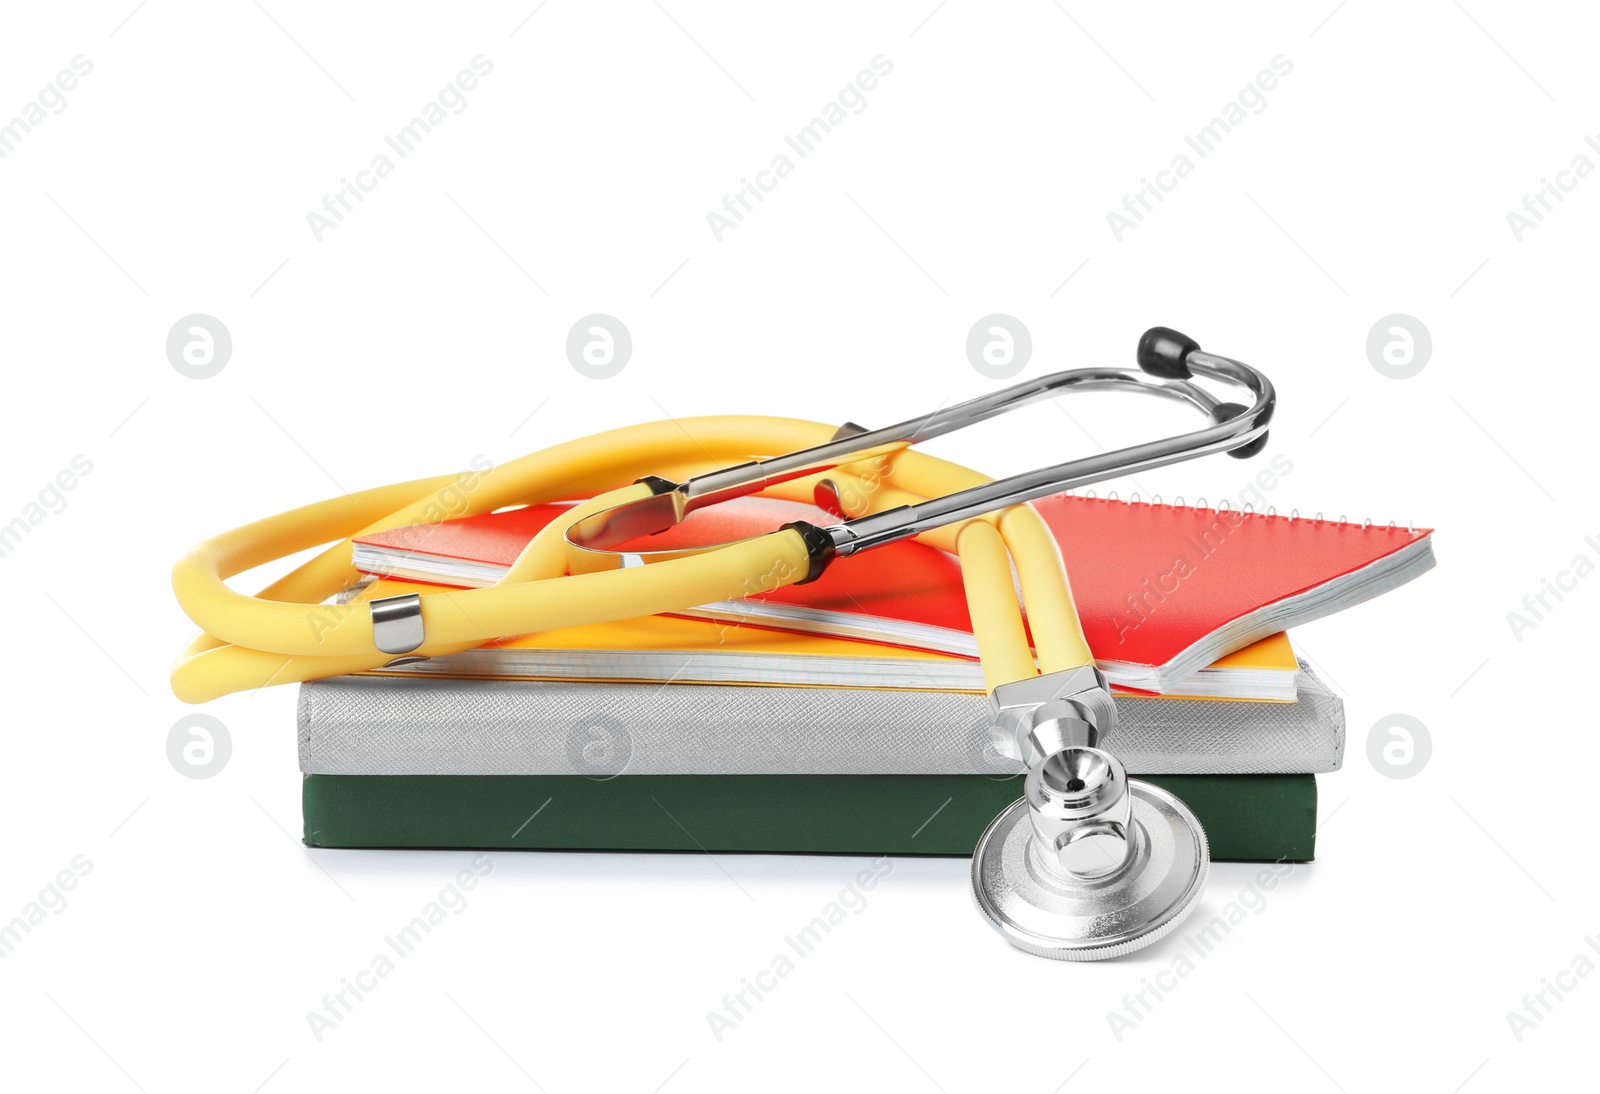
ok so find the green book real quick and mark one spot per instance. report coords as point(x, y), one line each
point(1246, 817)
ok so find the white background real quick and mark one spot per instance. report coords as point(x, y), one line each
point(429, 325)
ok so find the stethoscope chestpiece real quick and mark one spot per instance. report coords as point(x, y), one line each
point(1089, 864)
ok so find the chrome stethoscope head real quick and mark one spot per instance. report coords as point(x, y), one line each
point(1088, 863)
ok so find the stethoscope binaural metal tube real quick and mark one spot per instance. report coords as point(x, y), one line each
point(1242, 426)
point(1168, 360)
point(1237, 431)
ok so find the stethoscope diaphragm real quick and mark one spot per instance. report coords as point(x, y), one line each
point(1038, 906)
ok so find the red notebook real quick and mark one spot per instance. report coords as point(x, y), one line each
point(1162, 590)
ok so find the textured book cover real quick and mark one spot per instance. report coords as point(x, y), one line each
point(372, 725)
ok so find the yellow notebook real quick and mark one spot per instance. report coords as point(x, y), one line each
point(678, 649)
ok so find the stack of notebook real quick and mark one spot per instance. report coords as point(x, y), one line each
point(847, 715)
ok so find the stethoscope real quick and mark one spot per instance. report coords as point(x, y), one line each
point(1104, 865)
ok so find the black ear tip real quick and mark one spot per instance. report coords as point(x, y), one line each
point(1223, 413)
point(1245, 451)
point(1164, 352)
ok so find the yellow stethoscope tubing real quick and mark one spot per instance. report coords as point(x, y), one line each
point(992, 605)
point(286, 633)
point(573, 469)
